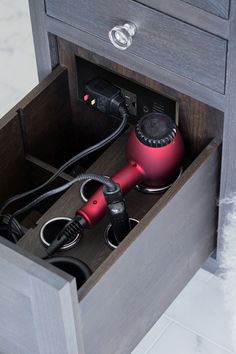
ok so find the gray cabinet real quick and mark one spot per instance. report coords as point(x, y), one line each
point(188, 58)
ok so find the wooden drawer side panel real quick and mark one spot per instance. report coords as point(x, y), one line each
point(135, 290)
point(47, 119)
point(13, 169)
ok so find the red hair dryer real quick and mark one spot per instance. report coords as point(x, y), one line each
point(154, 151)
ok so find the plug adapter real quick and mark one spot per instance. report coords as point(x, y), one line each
point(103, 96)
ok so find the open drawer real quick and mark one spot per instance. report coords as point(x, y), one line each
point(131, 286)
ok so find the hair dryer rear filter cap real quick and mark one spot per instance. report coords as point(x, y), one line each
point(156, 130)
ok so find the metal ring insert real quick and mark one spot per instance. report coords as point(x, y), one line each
point(151, 190)
point(88, 188)
point(109, 236)
point(52, 227)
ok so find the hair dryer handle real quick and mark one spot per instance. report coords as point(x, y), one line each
point(96, 206)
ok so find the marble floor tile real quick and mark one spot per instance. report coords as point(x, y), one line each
point(8, 98)
point(152, 336)
point(201, 308)
point(178, 340)
point(15, 28)
point(17, 58)
point(203, 275)
point(18, 70)
point(18, 5)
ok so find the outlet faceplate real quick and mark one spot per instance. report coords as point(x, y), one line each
point(130, 101)
point(139, 100)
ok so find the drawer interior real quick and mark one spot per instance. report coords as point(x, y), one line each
point(52, 124)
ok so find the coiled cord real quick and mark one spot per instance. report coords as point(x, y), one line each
point(17, 231)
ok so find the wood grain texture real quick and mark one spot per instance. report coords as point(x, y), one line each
point(217, 7)
point(46, 124)
point(38, 307)
point(14, 172)
point(48, 120)
point(41, 42)
point(40, 169)
point(188, 12)
point(53, 50)
point(228, 175)
point(143, 276)
point(93, 124)
point(39, 172)
point(13, 169)
point(136, 63)
point(198, 122)
point(181, 48)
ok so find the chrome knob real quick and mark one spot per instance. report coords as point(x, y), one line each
point(121, 36)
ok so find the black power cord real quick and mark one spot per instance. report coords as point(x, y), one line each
point(17, 231)
point(106, 181)
point(124, 114)
point(118, 216)
point(67, 234)
point(109, 100)
point(117, 213)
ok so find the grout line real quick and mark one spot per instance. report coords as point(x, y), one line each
point(162, 332)
point(209, 277)
point(200, 335)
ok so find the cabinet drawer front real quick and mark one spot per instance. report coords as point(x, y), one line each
point(160, 39)
point(152, 270)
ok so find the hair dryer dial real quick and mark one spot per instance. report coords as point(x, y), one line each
point(154, 151)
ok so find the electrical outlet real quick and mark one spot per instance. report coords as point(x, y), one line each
point(139, 100)
point(130, 101)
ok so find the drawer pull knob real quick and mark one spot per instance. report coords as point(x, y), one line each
point(121, 36)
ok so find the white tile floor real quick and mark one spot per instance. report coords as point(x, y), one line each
point(197, 322)
point(18, 73)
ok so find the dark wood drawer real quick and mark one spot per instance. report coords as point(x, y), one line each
point(160, 39)
point(131, 286)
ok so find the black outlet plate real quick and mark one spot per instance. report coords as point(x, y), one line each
point(147, 100)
